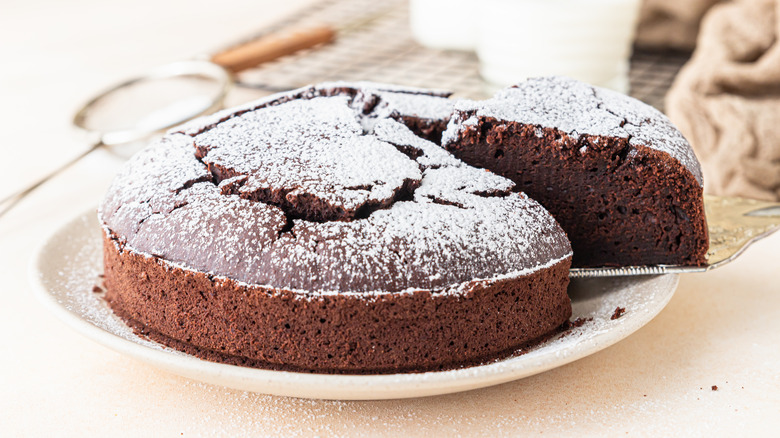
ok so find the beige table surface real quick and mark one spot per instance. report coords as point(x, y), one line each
point(721, 328)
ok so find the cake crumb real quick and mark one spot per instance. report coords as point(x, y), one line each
point(568, 326)
point(97, 289)
point(714, 387)
point(579, 322)
point(619, 311)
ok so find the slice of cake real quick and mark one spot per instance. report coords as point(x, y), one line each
point(616, 174)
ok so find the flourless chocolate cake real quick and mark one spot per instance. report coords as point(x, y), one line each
point(322, 230)
point(318, 231)
point(616, 174)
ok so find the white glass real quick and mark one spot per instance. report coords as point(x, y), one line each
point(444, 24)
point(589, 40)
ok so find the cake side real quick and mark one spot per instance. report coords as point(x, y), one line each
point(222, 320)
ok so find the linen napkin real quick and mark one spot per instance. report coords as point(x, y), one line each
point(670, 24)
point(726, 100)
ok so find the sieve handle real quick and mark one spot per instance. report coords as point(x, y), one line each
point(272, 46)
point(9, 201)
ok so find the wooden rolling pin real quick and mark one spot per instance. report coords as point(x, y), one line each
point(272, 46)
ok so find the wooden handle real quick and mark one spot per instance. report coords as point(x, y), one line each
point(272, 46)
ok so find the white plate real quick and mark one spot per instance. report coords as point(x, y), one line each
point(67, 266)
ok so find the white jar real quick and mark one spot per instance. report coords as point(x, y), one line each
point(444, 24)
point(589, 40)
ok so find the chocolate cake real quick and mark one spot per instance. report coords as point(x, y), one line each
point(616, 174)
point(318, 231)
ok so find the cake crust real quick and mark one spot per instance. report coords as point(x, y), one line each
point(222, 320)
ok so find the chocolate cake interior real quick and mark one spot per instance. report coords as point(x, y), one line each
point(616, 210)
point(617, 175)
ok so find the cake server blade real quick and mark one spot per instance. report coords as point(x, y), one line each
point(734, 224)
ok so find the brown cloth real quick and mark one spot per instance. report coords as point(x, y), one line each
point(670, 24)
point(726, 100)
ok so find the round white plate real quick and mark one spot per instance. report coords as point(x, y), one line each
point(67, 266)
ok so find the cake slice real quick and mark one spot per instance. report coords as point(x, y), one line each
point(616, 174)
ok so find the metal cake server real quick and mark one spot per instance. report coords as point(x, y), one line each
point(734, 223)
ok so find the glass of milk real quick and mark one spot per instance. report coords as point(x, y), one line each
point(589, 40)
point(444, 24)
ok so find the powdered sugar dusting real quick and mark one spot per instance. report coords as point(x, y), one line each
point(308, 149)
point(247, 206)
point(174, 167)
point(377, 101)
point(579, 109)
point(458, 185)
point(416, 105)
point(421, 245)
point(380, 87)
point(68, 276)
point(371, 100)
point(430, 155)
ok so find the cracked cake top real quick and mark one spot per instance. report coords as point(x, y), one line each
point(326, 190)
point(577, 108)
point(370, 101)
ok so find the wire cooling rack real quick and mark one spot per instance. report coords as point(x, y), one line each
point(374, 43)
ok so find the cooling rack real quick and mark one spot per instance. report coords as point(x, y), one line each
point(375, 44)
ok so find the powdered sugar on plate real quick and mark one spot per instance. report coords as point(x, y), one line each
point(65, 271)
